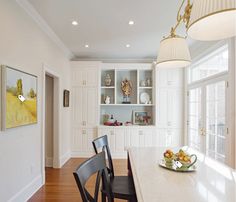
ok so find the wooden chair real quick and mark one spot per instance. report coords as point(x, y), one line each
point(122, 186)
point(96, 164)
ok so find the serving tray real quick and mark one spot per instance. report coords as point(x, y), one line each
point(163, 164)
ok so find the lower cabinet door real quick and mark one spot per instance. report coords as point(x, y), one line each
point(119, 140)
point(169, 137)
point(82, 139)
point(134, 138)
point(91, 134)
point(77, 140)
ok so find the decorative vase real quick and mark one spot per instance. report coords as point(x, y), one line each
point(108, 80)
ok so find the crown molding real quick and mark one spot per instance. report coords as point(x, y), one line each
point(44, 26)
point(117, 60)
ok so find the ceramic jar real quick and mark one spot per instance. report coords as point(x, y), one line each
point(107, 80)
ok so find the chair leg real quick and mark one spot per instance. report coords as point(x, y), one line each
point(103, 197)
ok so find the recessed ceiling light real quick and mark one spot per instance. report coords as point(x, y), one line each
point(127, 45)
point(131, 22)
point(86, 46)
point(74, 23)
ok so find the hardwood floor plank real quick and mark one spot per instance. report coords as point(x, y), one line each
point(60, 185)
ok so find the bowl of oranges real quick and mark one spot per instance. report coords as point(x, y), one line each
point(185, 159)
point(181, 156)
point(169, 157)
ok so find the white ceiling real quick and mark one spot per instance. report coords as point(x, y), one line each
point(103, 24)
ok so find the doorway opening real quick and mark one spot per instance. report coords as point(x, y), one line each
point(49, 100)
point(50, 120)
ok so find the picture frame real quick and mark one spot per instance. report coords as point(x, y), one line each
point(66, 98)
point(18, 98)
point(140, 118)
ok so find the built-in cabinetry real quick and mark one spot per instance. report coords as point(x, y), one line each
point(84, 96)
point(166, 91)
point(122, 137)
point(141, 99)
point(170, 106)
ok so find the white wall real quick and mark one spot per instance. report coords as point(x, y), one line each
point(25, 46)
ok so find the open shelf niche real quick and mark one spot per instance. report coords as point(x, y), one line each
point(142, 82)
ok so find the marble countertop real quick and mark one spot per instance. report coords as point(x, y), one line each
point(212, 182)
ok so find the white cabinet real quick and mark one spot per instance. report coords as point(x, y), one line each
point(170, 106)
point(84, 101)
point(85, 73)
point(120, 139)
point(167, 137)
point(116, 140)
point(82, 140)
point(84, 106)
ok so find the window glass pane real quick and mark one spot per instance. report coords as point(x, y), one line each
point(210, 65)
point(215, 120)
point(194, 118)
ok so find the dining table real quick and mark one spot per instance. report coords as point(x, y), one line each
point(211, 181)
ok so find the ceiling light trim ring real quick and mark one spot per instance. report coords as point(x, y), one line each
point(214, 13)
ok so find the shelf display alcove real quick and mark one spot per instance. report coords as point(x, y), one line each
point(141, 98)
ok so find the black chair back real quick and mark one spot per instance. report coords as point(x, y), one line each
point(96, 164)
point(102, 144)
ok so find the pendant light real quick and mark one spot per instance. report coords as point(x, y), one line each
point(212, 20)
point(204, 20)
point(173, 53)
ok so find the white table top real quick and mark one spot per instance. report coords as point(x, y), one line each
point(212, 182)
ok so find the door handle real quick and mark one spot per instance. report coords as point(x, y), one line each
point(202, 131)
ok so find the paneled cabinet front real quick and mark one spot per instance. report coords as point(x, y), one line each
point(84, 105)
point(84, 101)
point(82, 140)
point(122, 138)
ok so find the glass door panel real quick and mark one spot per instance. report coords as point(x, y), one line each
point(216, 120)
point(195, 119)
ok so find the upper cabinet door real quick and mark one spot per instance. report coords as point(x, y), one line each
point(175, 109)
point(91, 77)
point(78, 77)
point(77, 105)
point(91, 106)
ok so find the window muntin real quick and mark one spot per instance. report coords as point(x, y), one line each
point(212, 64)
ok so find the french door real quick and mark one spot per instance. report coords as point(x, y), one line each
point(207, 123)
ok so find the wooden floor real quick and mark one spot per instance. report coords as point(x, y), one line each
point(60, 184)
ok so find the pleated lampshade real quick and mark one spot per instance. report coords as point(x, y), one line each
point(173, 53)
point(212, 20)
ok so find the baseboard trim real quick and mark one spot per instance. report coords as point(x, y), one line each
point(27, 192)
point(64, 158)
point(75, 154)
point(49, 162)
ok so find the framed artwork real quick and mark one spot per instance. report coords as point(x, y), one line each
point(66, 98)
point(140, 117)
point(19, 98)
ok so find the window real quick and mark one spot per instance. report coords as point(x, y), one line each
point(207, 114)
point(214, 63)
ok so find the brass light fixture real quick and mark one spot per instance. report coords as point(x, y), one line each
point(204, 20)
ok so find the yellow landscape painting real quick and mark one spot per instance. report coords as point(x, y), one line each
point(21, 98)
